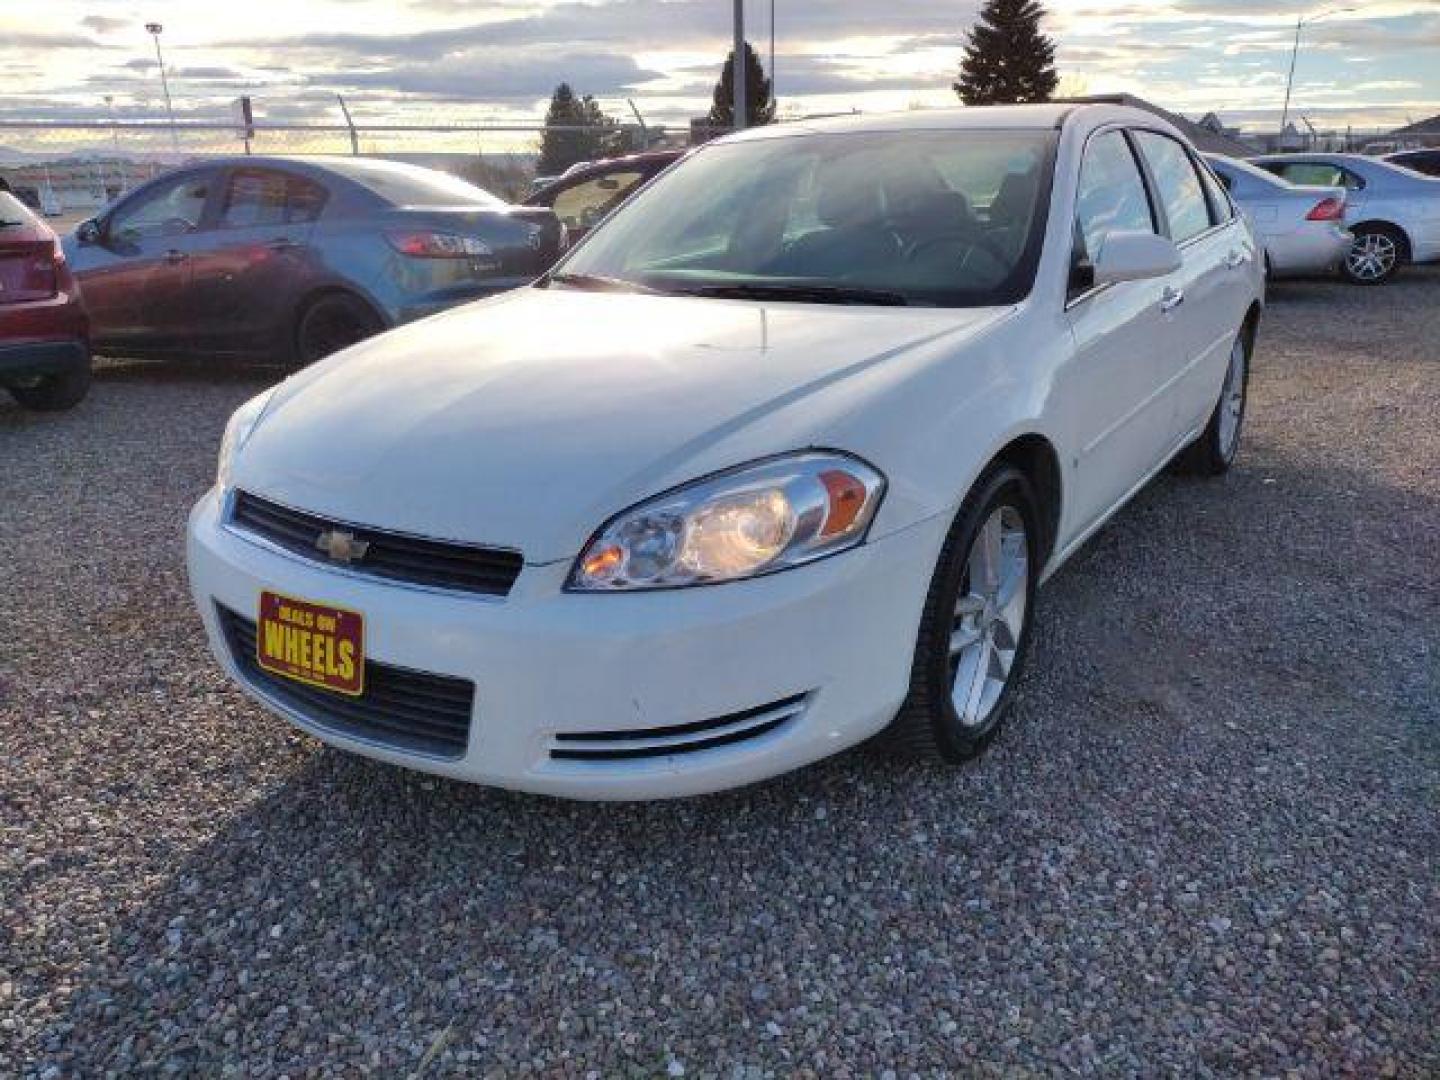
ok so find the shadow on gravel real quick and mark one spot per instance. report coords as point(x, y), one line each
point(1204, 781)
point(185, 371)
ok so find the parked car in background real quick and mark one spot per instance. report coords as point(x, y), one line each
point(1393, 213)
point(1302, 228)
point(1421, 161)
point(44, 337)
point(773, 462)
point(587, 193)
point(294, 258)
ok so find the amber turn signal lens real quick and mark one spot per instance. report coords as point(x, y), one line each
point(602, 563)
point(847, 499)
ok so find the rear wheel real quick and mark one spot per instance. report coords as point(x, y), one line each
point(975, 630)
point(54, 393)
point(1378, 251)
point(1214, 451)
point(332, 323)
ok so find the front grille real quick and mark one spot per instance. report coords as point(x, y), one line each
point(393, 556)
point(677, 738)
point(404, 709)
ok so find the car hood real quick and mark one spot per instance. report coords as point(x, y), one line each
point(527, 420)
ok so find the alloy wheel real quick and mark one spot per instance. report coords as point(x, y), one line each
point(1232, 401)
point(989, 616)
point(1372, 256)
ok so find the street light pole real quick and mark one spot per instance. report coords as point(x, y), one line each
point(1301, 22)
point(739, 69)
point(154, 29)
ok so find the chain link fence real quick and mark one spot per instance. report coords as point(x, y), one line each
point(70, 169)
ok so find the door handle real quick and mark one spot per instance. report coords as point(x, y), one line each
point(1236, 259)
point(282, 243)
point(1171, 298)
point(172, 256)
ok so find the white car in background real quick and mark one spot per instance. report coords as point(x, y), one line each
point(1394, 213)
point(1301, 228)
point(771, 463)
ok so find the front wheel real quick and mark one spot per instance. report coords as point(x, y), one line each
point(1375, 255)
point(1214, 451)
point(975, 629)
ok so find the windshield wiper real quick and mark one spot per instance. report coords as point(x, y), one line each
point(805, 294)
point(596, 282)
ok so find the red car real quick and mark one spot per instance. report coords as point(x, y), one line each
point(44, 335)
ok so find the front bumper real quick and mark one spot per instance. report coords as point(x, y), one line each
point(839, 632)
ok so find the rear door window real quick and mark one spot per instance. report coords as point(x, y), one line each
point(257, 198)
point(1181, 190)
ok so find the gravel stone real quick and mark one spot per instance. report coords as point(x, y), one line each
point(1207, 843)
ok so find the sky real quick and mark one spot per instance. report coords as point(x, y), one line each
point(454, 61)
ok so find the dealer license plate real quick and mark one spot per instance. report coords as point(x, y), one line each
point(316, 644)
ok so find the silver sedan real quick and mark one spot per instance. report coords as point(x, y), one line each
point(1301, 226)
point(1393, 212)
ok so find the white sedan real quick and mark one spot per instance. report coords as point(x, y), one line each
point(771, 463)
point(1393, 212)
point(1301, 228)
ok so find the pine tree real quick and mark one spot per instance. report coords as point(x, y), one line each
point(759, 106)
point(1008, 59)
point(561, 149)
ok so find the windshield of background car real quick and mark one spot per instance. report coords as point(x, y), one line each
point(943, 218)
point(417, 187)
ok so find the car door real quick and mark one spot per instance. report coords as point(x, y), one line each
point(1206, 305)
point(585, 203)
point(257, 258)
point(135, 276)
point(1110, 397)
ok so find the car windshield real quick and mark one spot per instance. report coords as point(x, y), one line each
point(402, 185)
point(940, 218)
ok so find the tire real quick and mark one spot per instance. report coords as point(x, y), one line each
point(331, 323)
point(943, 671)
point(54, 393)
point(1375, 256)
point(1214, 451)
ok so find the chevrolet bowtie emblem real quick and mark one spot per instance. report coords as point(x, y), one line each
point(342, 546)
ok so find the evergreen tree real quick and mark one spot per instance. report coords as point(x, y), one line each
point(1008, 59)
point(561, 149)
point(759, 105)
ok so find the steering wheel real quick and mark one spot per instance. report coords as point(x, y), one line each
point(973, 237)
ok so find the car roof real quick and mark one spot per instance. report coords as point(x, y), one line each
point(964, 118)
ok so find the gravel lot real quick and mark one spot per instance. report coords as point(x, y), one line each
point(1206, 844)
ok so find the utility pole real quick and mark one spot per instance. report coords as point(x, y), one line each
point(155, 28)
point(773, 98)
point(739, 69)
point(1300, 23)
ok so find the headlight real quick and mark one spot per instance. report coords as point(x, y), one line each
point(242, 423)
point(752, 520)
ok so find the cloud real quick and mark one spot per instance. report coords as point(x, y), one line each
point(104, 24)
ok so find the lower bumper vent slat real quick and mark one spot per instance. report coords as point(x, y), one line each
point(677, 738)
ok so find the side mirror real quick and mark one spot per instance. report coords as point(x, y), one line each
point(1135, 256)
point(88, 231)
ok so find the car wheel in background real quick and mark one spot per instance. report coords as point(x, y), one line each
point(975, 629)
point(332, 323)
point(1378, 251)
point(54, 393)
point(1214, 451)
